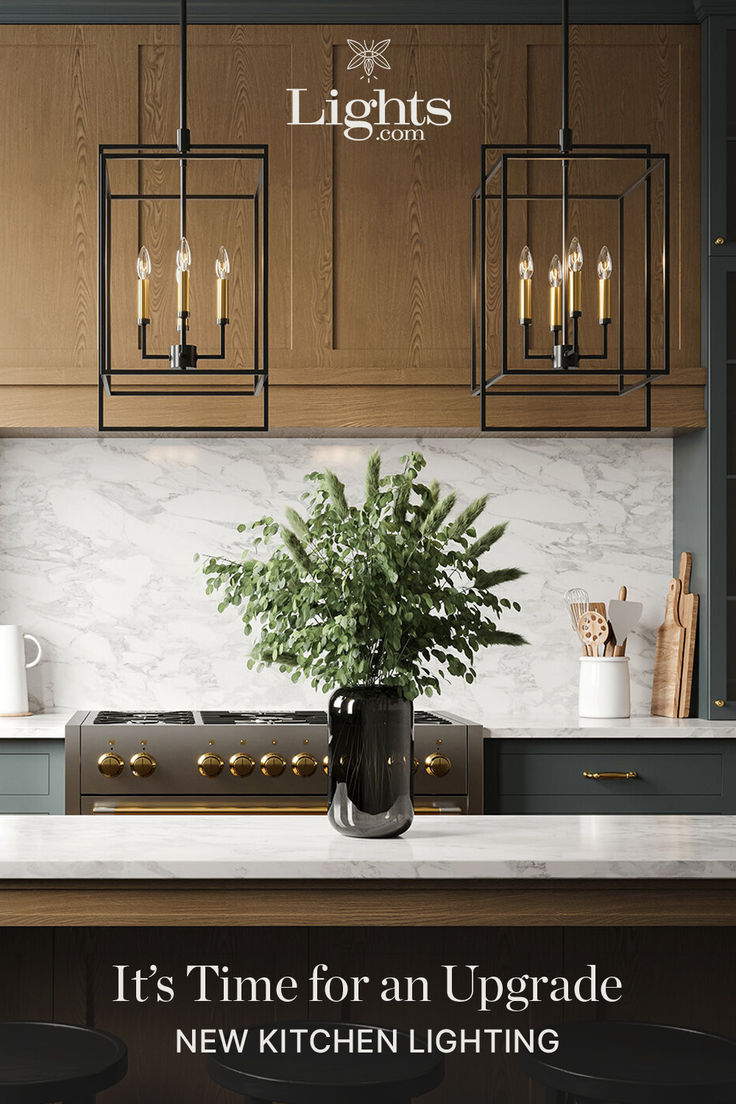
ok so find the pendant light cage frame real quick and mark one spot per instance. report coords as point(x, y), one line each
point(624, 380)
point(251, 381)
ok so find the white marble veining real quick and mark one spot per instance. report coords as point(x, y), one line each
point(51, 725)
point(582, 728)
point(97, 539)
point(238, 847)
point(40, 726)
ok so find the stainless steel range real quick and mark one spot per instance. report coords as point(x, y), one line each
point(222, 762)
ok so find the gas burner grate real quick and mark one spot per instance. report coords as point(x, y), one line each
point(254, 717)
point(422, 717)
point(111, 716)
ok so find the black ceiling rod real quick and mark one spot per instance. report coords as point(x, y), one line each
point(565, 131)
point(183, 137)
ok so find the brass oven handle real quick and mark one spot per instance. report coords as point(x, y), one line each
point(225, 810)
point(625, 775)
point(222, 810)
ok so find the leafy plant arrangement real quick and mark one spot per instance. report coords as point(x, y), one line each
point(388, 593)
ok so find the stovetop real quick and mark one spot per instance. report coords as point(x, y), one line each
point(228, 717)
point(117, 717)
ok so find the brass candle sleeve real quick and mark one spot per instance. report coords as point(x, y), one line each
point(222, 301)
point(182, 298)
point(144, 304)
point(555, 308)
point(604, 301)
point(576, 292)
point(525, 300)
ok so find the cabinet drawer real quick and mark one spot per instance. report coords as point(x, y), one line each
point(678, 775)
point(564, 774)
point(24, 773)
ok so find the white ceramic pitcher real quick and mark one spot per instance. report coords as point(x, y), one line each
point(13, 686)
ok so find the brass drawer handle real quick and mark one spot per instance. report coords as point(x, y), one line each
point(625, 775)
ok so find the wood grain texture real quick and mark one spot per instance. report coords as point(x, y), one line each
point(668, 657)
point(689, 615)
point(353, 409)
point(495, 903)
point(370, 240)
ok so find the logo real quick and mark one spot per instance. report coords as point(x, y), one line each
point(382, 117)
point(368, 56)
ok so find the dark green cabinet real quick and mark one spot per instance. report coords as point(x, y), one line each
point(636, 775)
point(31, 776)
point(705, 461)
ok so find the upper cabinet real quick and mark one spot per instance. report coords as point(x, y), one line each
point(370, 181)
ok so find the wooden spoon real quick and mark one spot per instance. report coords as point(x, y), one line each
point(593, 630)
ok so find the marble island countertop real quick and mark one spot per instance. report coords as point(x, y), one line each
point(524, 848)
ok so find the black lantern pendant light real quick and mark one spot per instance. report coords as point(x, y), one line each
point(554, 192)
point(184, 357)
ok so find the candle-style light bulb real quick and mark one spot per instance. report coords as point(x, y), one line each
point(143, 268)
point(222, 264)
point(526, 271)
point(143, 264)
point(183, 256)
point(574, 268)
point(183, 264)
point(555, 293)
point(605, 270)
point(222, 271)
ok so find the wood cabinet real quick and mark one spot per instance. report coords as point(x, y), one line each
point(370, 239)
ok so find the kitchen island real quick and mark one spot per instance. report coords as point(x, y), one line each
point(297, 871)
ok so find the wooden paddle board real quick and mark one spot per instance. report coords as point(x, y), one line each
point(688, 617)
point(668, 657)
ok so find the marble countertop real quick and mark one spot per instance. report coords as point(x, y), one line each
point(575, 727)
point(534, 848)
point(39, 726)
point(50, 725)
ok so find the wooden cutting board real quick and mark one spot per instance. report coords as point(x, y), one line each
point(668, 657)
point(688, 617)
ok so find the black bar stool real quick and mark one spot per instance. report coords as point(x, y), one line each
point(335, 1077)
point(636, 1063)
point(44, 1063)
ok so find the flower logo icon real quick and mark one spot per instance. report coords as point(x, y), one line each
point(368, 56)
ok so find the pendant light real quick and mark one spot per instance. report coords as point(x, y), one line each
point(555, 193)
point(119, 383)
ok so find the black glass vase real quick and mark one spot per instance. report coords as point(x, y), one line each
point(371, 754)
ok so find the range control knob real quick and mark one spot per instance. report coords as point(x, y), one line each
point(142, 764)
point(303, 764)
point(326, 764)
point(210, 764)
point(110, 764)
point(272, 764)
point(241, 764)
point(437, 764)
point(414, 765)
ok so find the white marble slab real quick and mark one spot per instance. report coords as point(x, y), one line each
point(98, 535)
point(245, 847)
point(39, 726)
point(583, 728)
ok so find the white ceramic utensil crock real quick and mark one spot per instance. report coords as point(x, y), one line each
point(604, 687)
point(13, 686)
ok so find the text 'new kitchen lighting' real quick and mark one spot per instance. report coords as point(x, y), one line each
point(179, 374)
point(539, 202)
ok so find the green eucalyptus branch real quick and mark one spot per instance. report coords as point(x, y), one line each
point(389, 592)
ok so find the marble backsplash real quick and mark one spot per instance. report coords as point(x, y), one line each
point(97, 538)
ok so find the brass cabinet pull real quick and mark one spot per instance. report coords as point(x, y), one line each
point(626, 775)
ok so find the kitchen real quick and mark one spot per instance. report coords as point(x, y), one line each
point(354, 271)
